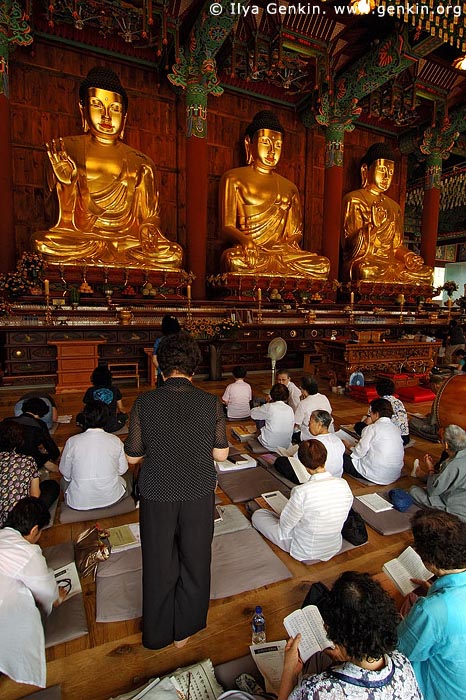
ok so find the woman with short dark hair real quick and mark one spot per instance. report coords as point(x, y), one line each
point(309, 527)
point(106, 392)
point(433, 635)
point(275, 419)
point(176, 431)
point(93, 463)
point(361, 619)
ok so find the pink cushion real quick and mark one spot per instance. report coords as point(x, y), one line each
point(415, 394)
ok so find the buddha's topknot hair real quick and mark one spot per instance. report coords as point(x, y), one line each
point(105, 79)
point(264, 120)
point(378, 151)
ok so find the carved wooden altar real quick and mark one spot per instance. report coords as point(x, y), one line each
point(346, 356)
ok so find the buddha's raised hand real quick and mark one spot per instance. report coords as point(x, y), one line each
point(63, 166)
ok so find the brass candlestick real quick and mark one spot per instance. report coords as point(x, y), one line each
point(48, 311)
point(259, 305)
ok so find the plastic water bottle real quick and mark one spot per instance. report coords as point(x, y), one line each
point(258, 626)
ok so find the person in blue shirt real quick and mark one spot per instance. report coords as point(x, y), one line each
point(433, 635)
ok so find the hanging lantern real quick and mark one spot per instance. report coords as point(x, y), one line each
point(362, 7)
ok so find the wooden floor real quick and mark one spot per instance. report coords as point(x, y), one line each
point(111, 659)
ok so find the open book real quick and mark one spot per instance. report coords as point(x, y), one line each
point(236, 462)
point(375, 502)
point(197, 682)
point(309, 624)
point(243, 432)
point(67, 577)
point(405, 567)
point(276, 500)
point(269, 658)
point(287, 452)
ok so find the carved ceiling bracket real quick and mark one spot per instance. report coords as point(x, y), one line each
point(14, 29)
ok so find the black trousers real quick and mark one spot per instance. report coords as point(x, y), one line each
point(176, 540)
point(283, 466)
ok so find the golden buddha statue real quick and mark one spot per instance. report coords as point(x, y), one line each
point(373, 227)
point(106, 191)
point(261, 211)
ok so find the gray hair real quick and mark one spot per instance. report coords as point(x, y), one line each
point(322, 417)
point(455, 437)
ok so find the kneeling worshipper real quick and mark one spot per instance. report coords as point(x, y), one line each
point(94, 465)
point(38, 442)
point(379, 454)
point(103, 390)
point(360, 619)
point(19, 474)
point(319, 424)
point(25, 583)
point(312, 400)
point(309, 526)
point(275, 419)
point(433, 634)
point(176, 431)
point(385, 388)
point(446, 485)
point(50, 417)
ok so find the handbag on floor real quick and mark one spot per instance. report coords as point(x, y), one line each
point(354, 529)
point(93, 545)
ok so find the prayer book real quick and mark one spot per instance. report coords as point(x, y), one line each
point(269, 658)
point(375, 502)
point(276, 500)
point(230, 465)
point(243, 432)
point(64, 419)
point(197, 682)
point(67, 577)
point(405, 567)
point(309, 624)
point(124, 537)
point(299, 469)
point(218, 514)
point(347, 434)
point(287, 452)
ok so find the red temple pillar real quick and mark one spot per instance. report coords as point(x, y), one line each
point(431, 208)
point(7, 229)
point(196, 186)
point(333, 188)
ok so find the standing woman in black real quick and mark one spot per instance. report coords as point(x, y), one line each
point(176, 431)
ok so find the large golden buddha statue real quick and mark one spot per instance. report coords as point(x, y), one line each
point(261, 211)
point(106, 191)
point(373, 227)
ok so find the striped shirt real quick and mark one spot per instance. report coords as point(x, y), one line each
point(314, 516)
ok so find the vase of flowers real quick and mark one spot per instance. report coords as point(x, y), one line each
point(214, 331)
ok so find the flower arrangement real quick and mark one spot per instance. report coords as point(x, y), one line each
point(14, 284)
point(31, 265)
point(5, 308)
point(210, 329)
point(449, 287)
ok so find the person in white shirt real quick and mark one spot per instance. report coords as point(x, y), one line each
point(379, 454)
point(294, 397)
point(311, 401)
point(93, 464)
point(25, 582)
point(310, 524)
point(319, 424)
point(275, 419)
point(238, 396)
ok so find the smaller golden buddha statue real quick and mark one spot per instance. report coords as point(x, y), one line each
point(373, 247)
point(104, 193)
point(261, 211)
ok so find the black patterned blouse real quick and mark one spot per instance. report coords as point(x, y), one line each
point(16, 472)
point(175, 428)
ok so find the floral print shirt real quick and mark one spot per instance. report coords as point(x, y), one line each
point(396, 681)
point(400, 417)
point(16, 472)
